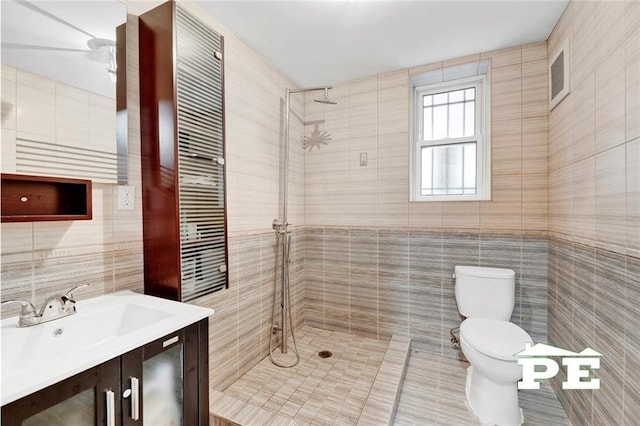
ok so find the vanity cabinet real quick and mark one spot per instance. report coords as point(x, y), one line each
point(164, 382)
point(182, 147)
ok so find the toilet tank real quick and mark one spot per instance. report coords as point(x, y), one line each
point(485, 292)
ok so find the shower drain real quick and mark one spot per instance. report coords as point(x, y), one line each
point(324, 354)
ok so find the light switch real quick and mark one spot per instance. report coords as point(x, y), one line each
point(363, 159)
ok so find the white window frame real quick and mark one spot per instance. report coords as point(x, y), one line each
point(482, 138)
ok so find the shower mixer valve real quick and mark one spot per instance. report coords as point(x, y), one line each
point(280, 227)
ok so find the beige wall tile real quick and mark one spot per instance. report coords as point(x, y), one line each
point(363, 202)
point(504, 57)
point(363, 85)
point(584, 200)
point(393, 110)
point(36, 112)
point(393, 203)
point(506, 147)
point(506, 92)
point(633, 194)
point(560, 134)
point(534, 52)
point(583, 42)
point(535, 202)
point(393, 79)
point(17, 238)
point(363, 114)
point(584, 123)
point(461, 215)
point(534, 89)
point(611, 196)
point(610, 101)
point(393, 157)
point(425, 215)
point(632, 91)
point(535, 147)
point(609, 32)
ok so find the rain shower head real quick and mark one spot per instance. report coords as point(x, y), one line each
point(325, 99)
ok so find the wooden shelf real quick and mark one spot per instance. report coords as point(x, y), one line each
point(38, 198)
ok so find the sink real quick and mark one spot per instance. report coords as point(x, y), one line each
point(103, 328)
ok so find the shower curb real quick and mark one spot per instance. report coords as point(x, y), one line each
point(380, 407)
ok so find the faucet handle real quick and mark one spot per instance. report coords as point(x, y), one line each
point(27, 307)
point(69, 293)
point(28, 315)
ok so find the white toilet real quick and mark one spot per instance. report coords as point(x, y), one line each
point(486, 297)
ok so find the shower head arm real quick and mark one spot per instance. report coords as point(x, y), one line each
point(309, 89)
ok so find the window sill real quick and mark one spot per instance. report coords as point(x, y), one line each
point(435, 198)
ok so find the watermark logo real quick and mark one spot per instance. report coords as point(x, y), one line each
point(578, 366)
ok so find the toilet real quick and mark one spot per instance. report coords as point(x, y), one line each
point(486, 297)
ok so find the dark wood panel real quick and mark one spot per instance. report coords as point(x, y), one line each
point(131, 366)
point(203, 371)
point(159, 153)
point(100, 378)
point(28, 198)
point(191, 374)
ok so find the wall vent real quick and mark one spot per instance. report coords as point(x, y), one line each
point(559, 85)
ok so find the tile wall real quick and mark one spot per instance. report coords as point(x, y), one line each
point(372, 116)
point(594, 133)
point(594, 296)
point(379, 282)
point(393, 277)
point(594, 207)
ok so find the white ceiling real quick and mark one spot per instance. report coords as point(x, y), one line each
point(324, 42)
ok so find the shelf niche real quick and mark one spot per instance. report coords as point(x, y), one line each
point(28, 198)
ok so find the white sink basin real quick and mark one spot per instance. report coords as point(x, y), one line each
point(103, 328)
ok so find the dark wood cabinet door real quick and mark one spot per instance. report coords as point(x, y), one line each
point(79, 400)
point(172, 380)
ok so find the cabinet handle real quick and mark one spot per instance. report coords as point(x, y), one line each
point(135, 398)
point(111, 407)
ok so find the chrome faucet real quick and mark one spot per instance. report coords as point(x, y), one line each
point(55, 307)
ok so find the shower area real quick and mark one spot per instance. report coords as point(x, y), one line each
point(310, 375)
point(281, 320)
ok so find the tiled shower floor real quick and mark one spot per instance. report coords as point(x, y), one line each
point(333, 391)
point(317, 391)
point(433, 394)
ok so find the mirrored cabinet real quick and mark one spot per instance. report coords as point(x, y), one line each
point(182, 136)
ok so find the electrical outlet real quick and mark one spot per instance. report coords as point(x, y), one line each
point(125, 197)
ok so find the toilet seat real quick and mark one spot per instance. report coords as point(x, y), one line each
point(495, 338)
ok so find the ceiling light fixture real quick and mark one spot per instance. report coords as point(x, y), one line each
point(104, 50)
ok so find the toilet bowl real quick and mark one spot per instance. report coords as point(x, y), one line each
point(491, 387)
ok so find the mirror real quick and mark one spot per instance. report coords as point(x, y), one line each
point(61, 62)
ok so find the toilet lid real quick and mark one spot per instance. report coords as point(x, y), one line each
point(498, 339)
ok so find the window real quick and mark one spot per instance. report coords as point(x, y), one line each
point(450, 141)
